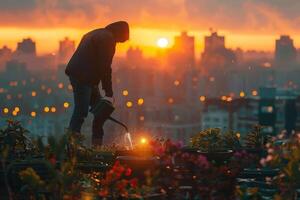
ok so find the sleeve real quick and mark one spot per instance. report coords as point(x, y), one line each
point(106, 54)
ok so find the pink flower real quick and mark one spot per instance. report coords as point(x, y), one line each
point(269, 158)
point(263, 162)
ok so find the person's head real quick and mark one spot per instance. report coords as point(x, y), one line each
point(120, 30)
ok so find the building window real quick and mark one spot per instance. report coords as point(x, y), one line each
point(267, 109)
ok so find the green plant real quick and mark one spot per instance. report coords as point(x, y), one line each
point(209, 140)
point(14, 140)
point(231, 140)
point(255, 139)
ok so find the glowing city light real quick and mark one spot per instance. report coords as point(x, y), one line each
point(5, 110)
point(66, 105)
point(33, 114)
point(229, 99)
point(14, 113)
point(142, 118)
point(53, 109)
point(170, 100)
point(125, 92)
point(242, 94)
point(46, 109)
point(70, 87)
point(17, 109)
point(224, 98)
point(60, 85)
point(129, 104)
point(202, 98)
point(162, 42)
point(140, 101)
point(33, 93)
point(254, 93)
point(176, 83)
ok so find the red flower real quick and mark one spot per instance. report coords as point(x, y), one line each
point(103, 193)
point(133, 182)
point(128, 172)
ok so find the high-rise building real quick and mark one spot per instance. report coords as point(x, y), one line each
point(216, 56)
point(182, 53)
point(5, 55)
point(66, 49)
point(285, 52)
point(214, 42)
point(27, 46)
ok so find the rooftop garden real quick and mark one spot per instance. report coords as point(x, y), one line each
point(215, 165)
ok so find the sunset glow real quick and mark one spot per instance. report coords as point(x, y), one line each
point(162, 42)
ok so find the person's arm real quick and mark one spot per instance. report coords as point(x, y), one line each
point(106, 53)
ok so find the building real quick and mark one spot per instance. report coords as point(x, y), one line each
point(66, 50)
point(216, 56)
point(26, 46)
point(5, 55)
point(285, 52)
point(182, 53)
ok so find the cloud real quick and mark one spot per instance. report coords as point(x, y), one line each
point(238, 15)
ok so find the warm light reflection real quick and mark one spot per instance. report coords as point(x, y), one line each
point(176, 83)
point(202, 98)
point(125, 92)
point(242, 94)
point(140, 101)
point(5, 110)
point(17, 109)
point(14, 113)
point(143, 140)
point(46, 109)
point(170, 100)
point(53, 109)
point(66, 105)
point(254, 93)
point(129, 104)
point(60, 85)
point(33, 93)
point(33, 114)
point(142, 118)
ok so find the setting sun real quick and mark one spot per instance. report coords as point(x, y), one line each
point(162, 42)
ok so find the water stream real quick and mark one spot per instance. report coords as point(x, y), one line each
point(128, 141)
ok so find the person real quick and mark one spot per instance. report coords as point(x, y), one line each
point(90, 65)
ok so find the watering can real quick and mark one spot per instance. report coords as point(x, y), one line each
point(105, 108)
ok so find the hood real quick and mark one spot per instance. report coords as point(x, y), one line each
point(120, 30)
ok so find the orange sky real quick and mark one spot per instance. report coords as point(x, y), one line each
point(249, 24)
point(47, 39)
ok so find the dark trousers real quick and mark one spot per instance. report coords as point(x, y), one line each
point(84, 97)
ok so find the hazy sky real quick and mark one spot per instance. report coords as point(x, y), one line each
point(246, 20)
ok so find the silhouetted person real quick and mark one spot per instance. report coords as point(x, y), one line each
point(90, 65)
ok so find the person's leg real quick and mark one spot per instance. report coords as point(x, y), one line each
point(98, 122)
point(82, 95)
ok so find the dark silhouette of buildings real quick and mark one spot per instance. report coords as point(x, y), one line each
point(27, 46)
point(182, 54)
point(66, 50)
point(285, 52)
point(216, 56)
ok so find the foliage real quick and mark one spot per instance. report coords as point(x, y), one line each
point(255, 139)
point(213, 140)
point(14, 141)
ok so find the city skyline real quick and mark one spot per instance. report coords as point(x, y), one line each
point(151, 48)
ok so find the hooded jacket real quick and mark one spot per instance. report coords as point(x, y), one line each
point(91, 62)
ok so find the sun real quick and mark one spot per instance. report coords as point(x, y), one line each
point(162, 42)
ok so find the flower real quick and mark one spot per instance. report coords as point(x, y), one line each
point(133, 182)
point(128, 172)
